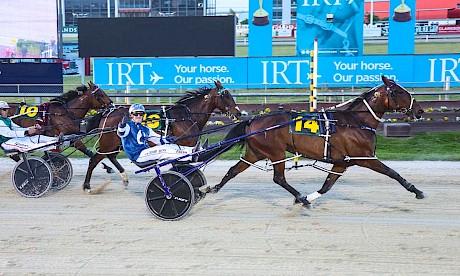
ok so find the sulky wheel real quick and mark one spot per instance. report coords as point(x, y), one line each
point(62, 169)
point(34, 182)
point(175, 206)
point(196, 178)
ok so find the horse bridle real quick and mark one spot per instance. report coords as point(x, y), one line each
point(391, 95)
point(221, 93)
point(96, 92)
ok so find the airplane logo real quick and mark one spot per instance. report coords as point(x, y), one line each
point(154, 77)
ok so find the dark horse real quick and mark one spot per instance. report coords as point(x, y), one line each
point(63, 114)
point(187, 117)
point(352, 143)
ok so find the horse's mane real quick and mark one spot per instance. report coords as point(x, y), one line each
point(194, 95)
point(363, 95)
point(70, 95)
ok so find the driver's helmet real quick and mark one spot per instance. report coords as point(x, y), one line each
point(136, 108)
point(4, 105)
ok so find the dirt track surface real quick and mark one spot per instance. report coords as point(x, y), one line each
point(367, 224)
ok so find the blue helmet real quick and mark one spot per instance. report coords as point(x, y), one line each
point(136, 108)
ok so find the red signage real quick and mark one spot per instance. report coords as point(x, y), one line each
point(449, 29)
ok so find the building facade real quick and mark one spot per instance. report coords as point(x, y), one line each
point(74, 9)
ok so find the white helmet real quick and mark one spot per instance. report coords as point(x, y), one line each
point(136, 108)
point(4, 104)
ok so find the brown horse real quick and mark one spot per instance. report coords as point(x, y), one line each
point(350, 139)
point(63, 114)
point(187, 117)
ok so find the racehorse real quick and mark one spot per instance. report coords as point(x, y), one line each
point(352, 142)
point(63, 114)
point(187, 117)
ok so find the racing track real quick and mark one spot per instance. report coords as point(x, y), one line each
point(366, 224)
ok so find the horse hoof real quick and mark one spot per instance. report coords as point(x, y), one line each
point(308, 206)
point(107, 169)
point(419, 196)
point(87, 191)
point(205, 189)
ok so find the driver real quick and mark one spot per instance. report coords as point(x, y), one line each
point(14, 137)
point(142, 144)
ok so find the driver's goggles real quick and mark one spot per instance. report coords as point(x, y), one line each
point(138, 114)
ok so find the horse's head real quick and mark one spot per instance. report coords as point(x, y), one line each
point(400, 100)
point(98, 98)
point(224, 101)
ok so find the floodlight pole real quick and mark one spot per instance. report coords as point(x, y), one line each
point(60, 25)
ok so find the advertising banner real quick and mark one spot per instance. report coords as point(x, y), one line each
point(449, 29)
point(283, 30)
point(338, 26)
point(165, 73)
point(276, 72)
point(402, 25)
point(260, 28)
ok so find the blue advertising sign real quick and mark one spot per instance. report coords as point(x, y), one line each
point(260, 28)
point(338, 26)
point(276, 72)
point(163, 73)
point(402, 26)
point(363, 70)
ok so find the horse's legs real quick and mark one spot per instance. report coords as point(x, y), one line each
point(328, 183)
point(113, 158)
point(231, 173)
point(93, 161)
point(280, 179)
point(378, 166)
point(78, 144)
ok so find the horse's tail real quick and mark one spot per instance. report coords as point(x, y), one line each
point(238, 130)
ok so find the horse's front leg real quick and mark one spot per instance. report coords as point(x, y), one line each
point(378, 166)
point(331, 178)
point(280, 179)
point(80, 145)
point(93, 161)
point(124, 177)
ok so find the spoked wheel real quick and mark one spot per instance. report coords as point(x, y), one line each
point(196, 178)
point(62, 169)
point(34, 182)
point(175, 206)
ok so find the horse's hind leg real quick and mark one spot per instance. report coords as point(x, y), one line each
point(379, 167)
point(231, 173)
point(113, 158)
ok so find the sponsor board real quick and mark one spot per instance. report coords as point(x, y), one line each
point(276, 72)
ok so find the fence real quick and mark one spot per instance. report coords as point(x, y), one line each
point(38, 91)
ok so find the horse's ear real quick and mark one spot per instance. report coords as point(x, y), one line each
point(386, 81)
point(218, 84)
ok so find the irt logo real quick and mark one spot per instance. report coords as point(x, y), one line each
point(278, 70)
point(446, 66)
point(123, 72)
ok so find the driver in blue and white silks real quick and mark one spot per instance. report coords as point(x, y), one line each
point(135, 138)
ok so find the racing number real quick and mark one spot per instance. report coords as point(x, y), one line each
point(153, 120)
point(311, 125)
point(30, 111)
